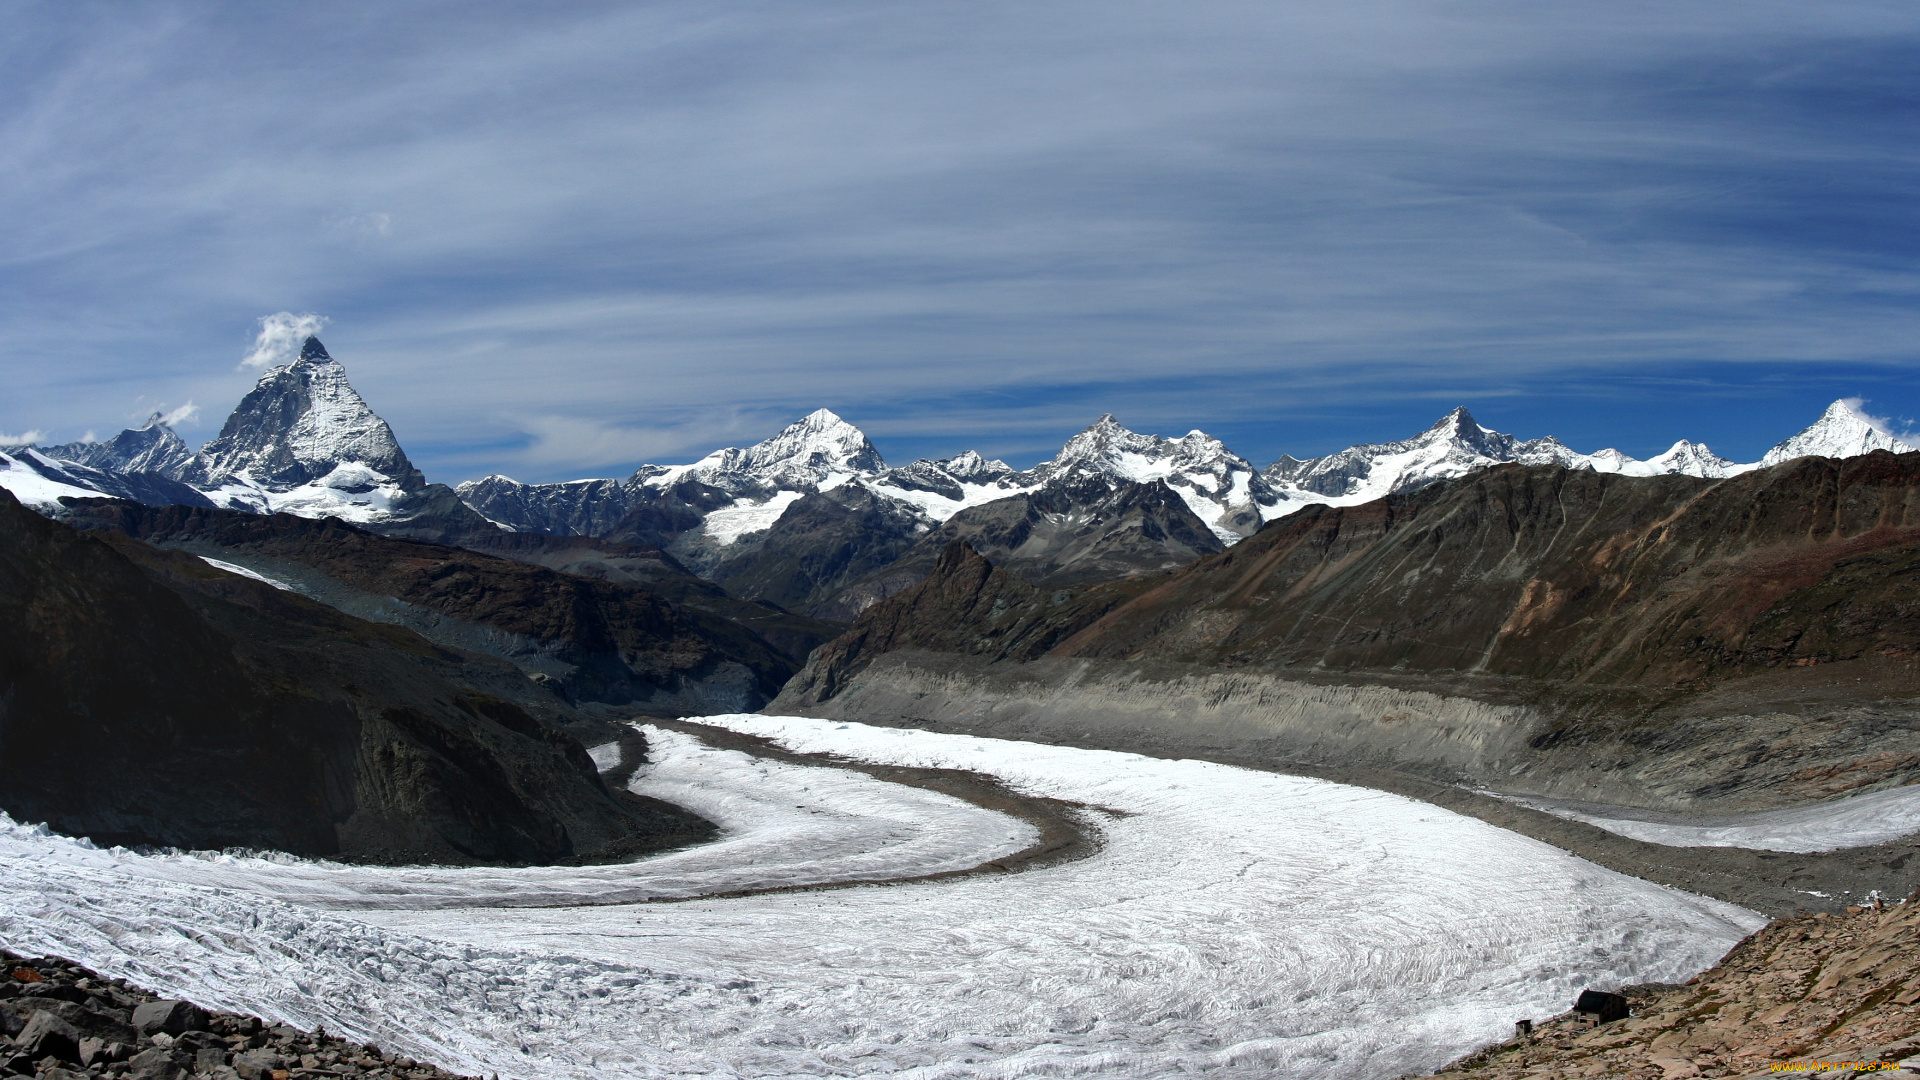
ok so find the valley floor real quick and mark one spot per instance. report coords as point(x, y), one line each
point(1228, 920)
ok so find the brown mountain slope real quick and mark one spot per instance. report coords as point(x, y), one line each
point(1553, 574)
point(1649, 640)
point(602, 640)
point(146, 697)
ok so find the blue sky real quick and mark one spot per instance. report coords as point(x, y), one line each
point(559, 240)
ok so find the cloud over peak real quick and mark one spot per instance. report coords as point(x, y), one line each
point(279, 339)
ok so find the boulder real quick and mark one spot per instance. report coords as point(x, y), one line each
point(159, 1063)
point(46, 1035)
point(257, 1064)
point(172, 1017)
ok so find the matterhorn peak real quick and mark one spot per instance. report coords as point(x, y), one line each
point(300, 424)
point(1844, 430)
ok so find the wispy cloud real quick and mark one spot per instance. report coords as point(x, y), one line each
point(280, 336)
point(1303, 222)
point(25, 438)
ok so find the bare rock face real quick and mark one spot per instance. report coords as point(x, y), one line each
point(1076, 530)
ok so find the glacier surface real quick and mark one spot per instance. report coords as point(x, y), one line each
point(1232, 922)
point(1855, 821)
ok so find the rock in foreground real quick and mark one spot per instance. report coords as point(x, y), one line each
point(59, 1021)
point(1814, 989)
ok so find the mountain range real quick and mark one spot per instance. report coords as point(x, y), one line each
point(813, 519)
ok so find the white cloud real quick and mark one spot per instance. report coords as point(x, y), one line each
point(185, 414)
point(25, 438)
point(280, 336)
point(1885, 425)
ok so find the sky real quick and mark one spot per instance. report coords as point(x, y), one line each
point(555, 241)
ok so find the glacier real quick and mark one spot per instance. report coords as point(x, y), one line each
point(1854, 821)
point(1232, 922)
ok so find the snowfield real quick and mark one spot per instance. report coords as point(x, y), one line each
point(1855, 821)
point(1233, 923)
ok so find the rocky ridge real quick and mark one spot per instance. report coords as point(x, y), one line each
point(811, 519)
point(720, 512)
point(60, 1021)
point(1666, 642)
point(593, 639)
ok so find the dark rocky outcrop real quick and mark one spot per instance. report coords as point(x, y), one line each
point(1084, 528)
point(1661, 641)
point(819, 544)
point(148, 698)
point(793, 636)
point(601, 640)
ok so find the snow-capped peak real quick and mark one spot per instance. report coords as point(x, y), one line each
point(1844, 430)
point(152, 447)
point(1222, 488)
point(969, 465)
point(298, 426)
point(820, 450)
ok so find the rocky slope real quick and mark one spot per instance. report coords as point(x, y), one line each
point(791, 635)
point(594, 639)
point(1657, 641)
point(149, 698)
point(59, 1021)
point(1078, 529)
point(1811, 992)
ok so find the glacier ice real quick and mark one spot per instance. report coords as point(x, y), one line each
point(1232, 922)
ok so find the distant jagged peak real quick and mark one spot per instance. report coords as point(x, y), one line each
point(1844, 430)
point(819, 450)
point(1689, 458)
point(970, 466)
point(153, 447)
point(1110, 447)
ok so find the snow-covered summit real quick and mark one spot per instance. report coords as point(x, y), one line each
point(152, 447)
point(1222, 488)
point(818, 451)
point(1842, 431)
point(304, 424)
point(1455, 445)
